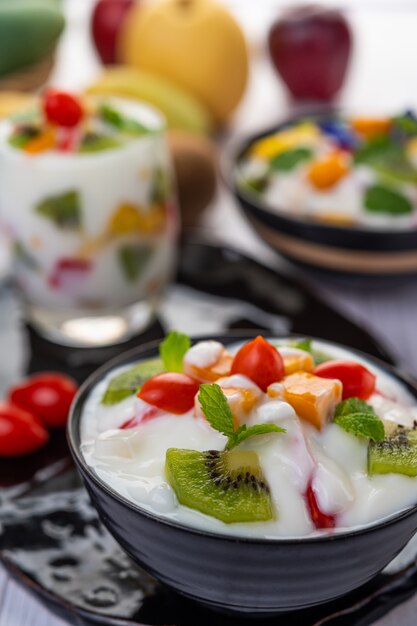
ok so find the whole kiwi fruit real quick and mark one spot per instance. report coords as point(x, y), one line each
point(194, 160)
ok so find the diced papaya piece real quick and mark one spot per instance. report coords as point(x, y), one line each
point(327, 171)
point(312, 401)
point(276, 390)
point(241, 399)
point(43, 142)
point(304, 134)
point(241, 402)
point(369, 127)
point(296, 360)
point(219, 366)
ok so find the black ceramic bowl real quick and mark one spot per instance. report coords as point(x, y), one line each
point(353, 253)
point(252, 576)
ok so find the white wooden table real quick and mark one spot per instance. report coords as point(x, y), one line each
point(383, 77)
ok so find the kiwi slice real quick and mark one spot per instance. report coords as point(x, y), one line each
point(64, 210)
point(129, 382)
point(93, 142)
point(396, 454)
point(227, 485)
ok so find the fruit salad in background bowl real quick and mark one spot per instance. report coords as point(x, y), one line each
point(335, 192)
point(87, 199)
point(274, 464)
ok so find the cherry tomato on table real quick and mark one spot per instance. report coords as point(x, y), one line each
point(170, 392)
point(357, 380)
point(46, 395)
point(20, 431)
point(260, 361)
point(62, 108)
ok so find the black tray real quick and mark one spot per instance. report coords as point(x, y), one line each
point(50, 538)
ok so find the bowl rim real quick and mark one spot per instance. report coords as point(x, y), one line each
point(135, 354)
point(241, 145)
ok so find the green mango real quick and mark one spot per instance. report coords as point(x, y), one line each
point(29, 31)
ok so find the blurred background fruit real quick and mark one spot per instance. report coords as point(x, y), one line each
point(106, 20)
point(180, 108)
point(195, 169)
point(310, 46)
point(195, 43)
point(29, 32)
point(13, 101)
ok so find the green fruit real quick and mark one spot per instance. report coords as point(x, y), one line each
point(227, 485)
point(29, 30)
point(397, 454)
point(133, 258)
point(129, 382)
point(121, 122)
point(64, 210)
point(92, 142)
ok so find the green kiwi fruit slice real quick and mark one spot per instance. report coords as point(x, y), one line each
point(227, 485)
point(397, 454)
point(129, 382)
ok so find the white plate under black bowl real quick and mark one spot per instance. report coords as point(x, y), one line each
point(51, 540)
point(357, 254)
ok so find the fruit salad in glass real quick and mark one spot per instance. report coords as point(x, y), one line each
point(337, 170)
point(270, 438)
point(87, 199)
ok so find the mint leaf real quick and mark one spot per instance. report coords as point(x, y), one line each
point(130, 381)
point(216, 409)
point(381, 199)
point(289, 159)
point(388, 157)
point(244, 432)
point(173, 349)
point(217, 412)
point(359, 418)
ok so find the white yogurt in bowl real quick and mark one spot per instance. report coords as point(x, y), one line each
point(125, 445)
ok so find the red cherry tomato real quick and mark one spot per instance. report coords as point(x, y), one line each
point(46, 395)
point(20, 431)
point(320, 519)
point(260, 361)
point(170, 392)
point(358, 382)
point(62, 108)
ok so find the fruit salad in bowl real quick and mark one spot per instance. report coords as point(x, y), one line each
point(266, 450)
point(338, 170)
point(87, 200)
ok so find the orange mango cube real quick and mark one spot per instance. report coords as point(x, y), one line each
point(326, 172)
point(220, 368)
point(296, 360)
point(313, 398)
point(369, 127)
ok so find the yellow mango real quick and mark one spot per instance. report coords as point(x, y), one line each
point(313, 398)
point(296, 360)
point(369, 127)
point(305, 134)
point(212, 373)
point(327, 171)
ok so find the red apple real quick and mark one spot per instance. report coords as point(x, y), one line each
point(105, 24)
point(310, 46)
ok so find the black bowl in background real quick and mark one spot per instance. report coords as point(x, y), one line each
point(334, 251)
point(239, 575)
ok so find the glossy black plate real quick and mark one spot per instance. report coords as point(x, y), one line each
point(50, 537)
